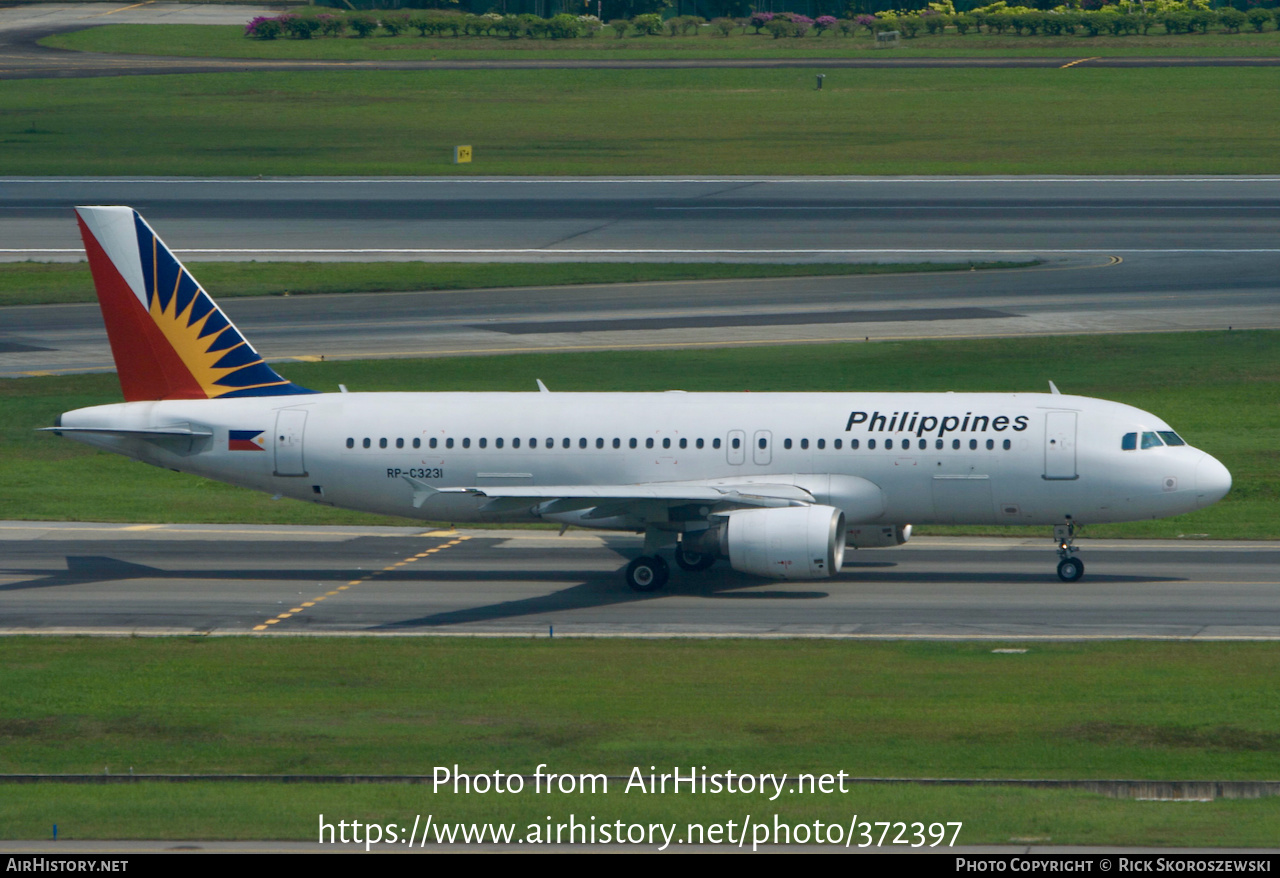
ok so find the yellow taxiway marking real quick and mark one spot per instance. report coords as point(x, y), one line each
point(123, 8)
point(143, 527)
point(1079, 61)
point(388, 569)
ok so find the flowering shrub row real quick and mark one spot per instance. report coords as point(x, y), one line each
point(1172, 16)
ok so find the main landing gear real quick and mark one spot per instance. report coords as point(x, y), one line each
point(648, 573)
point(693, 561)
point(1070, 568)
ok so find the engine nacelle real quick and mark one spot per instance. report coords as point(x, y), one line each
point(795, 542)
point(877, 536)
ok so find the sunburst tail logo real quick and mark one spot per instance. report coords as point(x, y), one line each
point(169, 338)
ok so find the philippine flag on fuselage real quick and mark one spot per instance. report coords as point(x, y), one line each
point(246, 440)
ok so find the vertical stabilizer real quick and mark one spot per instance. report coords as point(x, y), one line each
point(169, 339)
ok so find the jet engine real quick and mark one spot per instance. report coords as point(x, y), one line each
point(795, 542)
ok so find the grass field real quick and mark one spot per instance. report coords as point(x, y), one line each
point(1219, 390)
point(49, 283)
point(315, 706)
point(229, 42)
point(595, 122)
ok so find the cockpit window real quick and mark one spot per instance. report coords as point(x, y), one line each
point(1129, 442)
point(1151, 440)
point(1171, 438)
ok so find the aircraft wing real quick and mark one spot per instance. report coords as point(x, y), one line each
point(612, 500)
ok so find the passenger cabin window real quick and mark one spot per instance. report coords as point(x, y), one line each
point(617, 443)
point(551, 443)
point(991, 443)
point(648, 443)
point(432, 443)
point(822, 443)
point(763, 443)
point(853, 445)
point(871, 443)
point(632, 443)
point(666, 443)
point(466, 442)
point(599, 443)
point(582, 443)
point(786, 443)
point(1007, 445)
point(888, 443)
point(483, 442)
point(497, 443)
point(699, 443)
point(448, 443)
point(838, 445)
point(417, 442)
point(804, 443)
point(684, 443)
point(351, 443)
point(737, 443)
point(399, 443)
point(565, 443)
point(515, 442)
point(715, 443)
point(382, 443)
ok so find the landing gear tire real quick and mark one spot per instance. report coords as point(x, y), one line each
point(1070, 569)
point(693, 561)
point(647, 573)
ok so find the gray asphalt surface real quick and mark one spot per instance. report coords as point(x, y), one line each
point(1119, 255)
point(21, 57)
point(234, 579)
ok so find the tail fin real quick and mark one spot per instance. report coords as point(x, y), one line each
point(168, 337)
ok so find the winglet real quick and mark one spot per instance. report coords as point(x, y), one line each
point(542, 388)
point(1053, 388)
point(169, 339)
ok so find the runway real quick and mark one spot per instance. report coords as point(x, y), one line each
point(207, 579)
point(1117, 256)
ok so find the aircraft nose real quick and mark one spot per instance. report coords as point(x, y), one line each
point(1213, 480)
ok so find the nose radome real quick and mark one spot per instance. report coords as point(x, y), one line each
point(1213, 480)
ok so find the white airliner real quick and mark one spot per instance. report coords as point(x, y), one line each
point(778, 483)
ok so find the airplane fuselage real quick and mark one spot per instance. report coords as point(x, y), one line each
point(889, 458)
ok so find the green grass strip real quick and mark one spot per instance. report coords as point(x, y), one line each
point(1172, 710)
point(609, 122)
point(47, 283)
point(279, 705)
point(215, 41)
point(1220, 390)
point(999, 816)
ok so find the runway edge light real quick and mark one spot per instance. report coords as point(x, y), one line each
point(461, 155)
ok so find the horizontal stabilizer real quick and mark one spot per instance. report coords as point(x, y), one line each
point(145, 433)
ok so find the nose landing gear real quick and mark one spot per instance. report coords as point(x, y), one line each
point(1070, 568)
